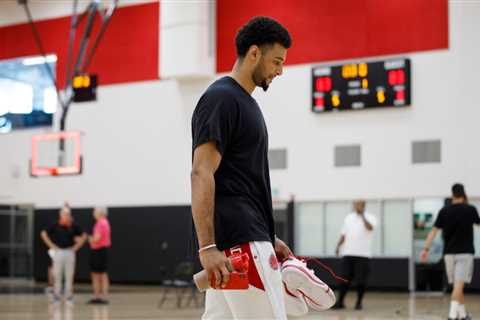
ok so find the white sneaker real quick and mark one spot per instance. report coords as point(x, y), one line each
point(54, 299)
point(299, 278)
point(49, 291)
point(295, 304)
point(69, 301)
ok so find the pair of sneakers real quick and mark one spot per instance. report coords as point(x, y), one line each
point(303, 289)
point(55, 300)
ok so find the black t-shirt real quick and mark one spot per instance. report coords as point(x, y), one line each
point(228, 115)
point(64, 237)
point(456, 222)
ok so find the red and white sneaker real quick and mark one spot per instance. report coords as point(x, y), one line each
point(295, 304)
point(300, 279)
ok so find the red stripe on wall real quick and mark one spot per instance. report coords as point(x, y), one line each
point(325, 30)
point(127, 53)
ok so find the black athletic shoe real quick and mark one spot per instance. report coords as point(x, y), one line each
point(103, 301)
point(338, 306)
point(467, 317)
point(358, 306)
point(95, 301)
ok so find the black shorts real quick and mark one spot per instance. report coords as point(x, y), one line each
point(99, 260)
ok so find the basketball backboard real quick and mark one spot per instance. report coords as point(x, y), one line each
point(56, 154)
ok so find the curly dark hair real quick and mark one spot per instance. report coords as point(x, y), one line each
point(458, 191)
point(261, 31)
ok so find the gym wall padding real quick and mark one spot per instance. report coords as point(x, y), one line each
point(147, 242)
point(128, 51)
point(324, 30)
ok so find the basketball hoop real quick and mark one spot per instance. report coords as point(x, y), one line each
point(50, 160)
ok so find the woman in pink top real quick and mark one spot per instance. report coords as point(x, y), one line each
point(100, 241)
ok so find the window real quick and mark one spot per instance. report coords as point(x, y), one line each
point(309, 229)
point(397, 228)
point(27, 95)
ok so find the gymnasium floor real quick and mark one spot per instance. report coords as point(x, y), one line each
point(128, 302)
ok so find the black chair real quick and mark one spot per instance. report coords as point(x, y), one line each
point(181, 282)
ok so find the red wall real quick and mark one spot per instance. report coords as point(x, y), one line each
point(128, 51)
point(333, 30)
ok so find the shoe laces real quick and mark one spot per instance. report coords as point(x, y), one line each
point(305, 260)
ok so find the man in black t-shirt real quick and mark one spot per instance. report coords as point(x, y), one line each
point(231, 196)
point(64, 237)
point(456, 222)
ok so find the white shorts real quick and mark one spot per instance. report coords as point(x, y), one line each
point(264, 298)
point(459, 267)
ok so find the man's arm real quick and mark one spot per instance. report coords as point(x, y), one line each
point(367, 224)
point(339, 244)
point(46, 239)
point(477, 218)
point(79, 241)
point(282, 251)
point(428, 242)
point(206, 160)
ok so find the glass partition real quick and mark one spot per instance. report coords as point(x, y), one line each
point(397, 236)
point(309, 229)
point(425, 212)
point(402, 225)
point(335, 213)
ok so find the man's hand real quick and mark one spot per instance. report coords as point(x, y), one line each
point(282, 250)
point(216, 264)
point(428, 243)
point(424, 255)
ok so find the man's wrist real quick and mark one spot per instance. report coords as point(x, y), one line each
point(207, 247)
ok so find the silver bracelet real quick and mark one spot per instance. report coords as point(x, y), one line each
point(207, 247)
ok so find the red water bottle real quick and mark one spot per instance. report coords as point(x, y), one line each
point(238, 277)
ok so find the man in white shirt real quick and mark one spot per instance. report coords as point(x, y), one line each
point(356, 239)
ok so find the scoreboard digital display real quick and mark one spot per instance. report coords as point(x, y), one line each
point(362, 85)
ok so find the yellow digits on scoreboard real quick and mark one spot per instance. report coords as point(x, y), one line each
point(381, 96)
point(364, 83)
point(354, 70)
point(81, 81)
point(362, 70)
point(77, 82)
point(335, 100)
point(346, 71)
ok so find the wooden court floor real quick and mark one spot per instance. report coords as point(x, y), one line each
point(143, 303)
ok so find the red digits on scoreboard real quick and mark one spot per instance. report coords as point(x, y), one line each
point(323, 84)
point(400, 77)
point(396, 77)
point(319, 102)
point(400, 95)
point(392, 77)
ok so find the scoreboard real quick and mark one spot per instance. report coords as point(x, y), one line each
point(84, 87)
point(361, 85)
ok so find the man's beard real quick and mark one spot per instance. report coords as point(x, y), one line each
point(264, 85)
point(258, 79)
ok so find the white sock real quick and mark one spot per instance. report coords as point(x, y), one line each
point(453, 309)
point(462, 312)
